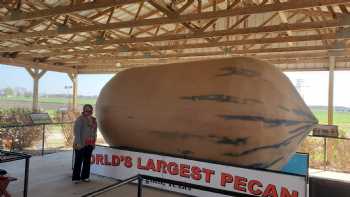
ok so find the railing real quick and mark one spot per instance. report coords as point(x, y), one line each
point(140, 179)
point(117, 185)
point(7, 156)
point(328, 153)
point(43, 131)
point(325, 152)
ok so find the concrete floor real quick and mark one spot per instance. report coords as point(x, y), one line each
point(51, 176)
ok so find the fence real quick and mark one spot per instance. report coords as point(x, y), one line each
point(37, 138)
point(325, 153)
point(328, 153)
point(6, 156)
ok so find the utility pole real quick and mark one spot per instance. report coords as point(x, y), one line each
point(299, 86)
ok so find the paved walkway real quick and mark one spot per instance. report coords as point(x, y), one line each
point(51, 176)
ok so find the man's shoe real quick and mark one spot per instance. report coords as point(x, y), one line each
point(86, 180)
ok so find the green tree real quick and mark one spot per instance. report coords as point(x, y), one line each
point(8, 92)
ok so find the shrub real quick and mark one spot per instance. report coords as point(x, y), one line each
point(22, 137)
point(67, 129)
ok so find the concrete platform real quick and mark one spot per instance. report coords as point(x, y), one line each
point(50, 176)
point(335, 176)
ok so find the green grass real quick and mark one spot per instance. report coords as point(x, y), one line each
point(342, 119)
point(339, 117)
point(50, 100)
point(322, 116)
point(52, 112)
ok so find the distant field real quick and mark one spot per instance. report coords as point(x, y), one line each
point(339, 117)
point(342, 119)
point(50, 100)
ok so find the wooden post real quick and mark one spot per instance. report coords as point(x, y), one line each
point(36, 75)
point(332, 63)
point(74, 78)
point(35, 104)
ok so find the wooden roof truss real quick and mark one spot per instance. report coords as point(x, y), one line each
point(106, 36)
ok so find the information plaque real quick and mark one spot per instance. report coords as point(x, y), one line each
point(325, 131)
point(40, 118)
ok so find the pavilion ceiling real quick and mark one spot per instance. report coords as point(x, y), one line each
point(105, 36)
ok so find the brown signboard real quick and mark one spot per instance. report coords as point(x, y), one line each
point(325, 130)
point(40, 118)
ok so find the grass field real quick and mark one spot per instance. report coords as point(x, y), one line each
point(342, 119)
point(339, 117)
point(50, 100)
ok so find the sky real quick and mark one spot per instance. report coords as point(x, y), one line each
point(314, 85)
point(51, 82)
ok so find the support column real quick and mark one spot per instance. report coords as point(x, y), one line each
point(36, 75)
point(332, 64)
point(74, 78)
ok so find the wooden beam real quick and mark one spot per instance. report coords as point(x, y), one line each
point(36, 75)
point(284, 19)
point(109, 71)
point(170, 13)
point(290, 5)
point(202, 54)
point(200, 7)
point(316, 18)
point(136, 15)
point(266, 34)
point(283, 64)
point(74, 78)
point(332, 63)
point(35, 98)
point(30, 64)
point(184, 7)
point(296, 61)
point(246, 31)
point(344, 9)
point(60, 10)
point(124, 62)
point(317, 13)
point(161, 6)
point(330, 36)
point(320, 68)
point(41, 73)
point(31, 72)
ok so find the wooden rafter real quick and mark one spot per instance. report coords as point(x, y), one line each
point(250, 30)
point(30, 64)
point(67, 9)
point(291, 5)
point(215, 53)
point(330, 36)
point(91, 36)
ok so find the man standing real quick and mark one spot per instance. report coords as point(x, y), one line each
point(85, 129)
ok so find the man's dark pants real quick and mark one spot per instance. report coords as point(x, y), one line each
point(82, 160)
